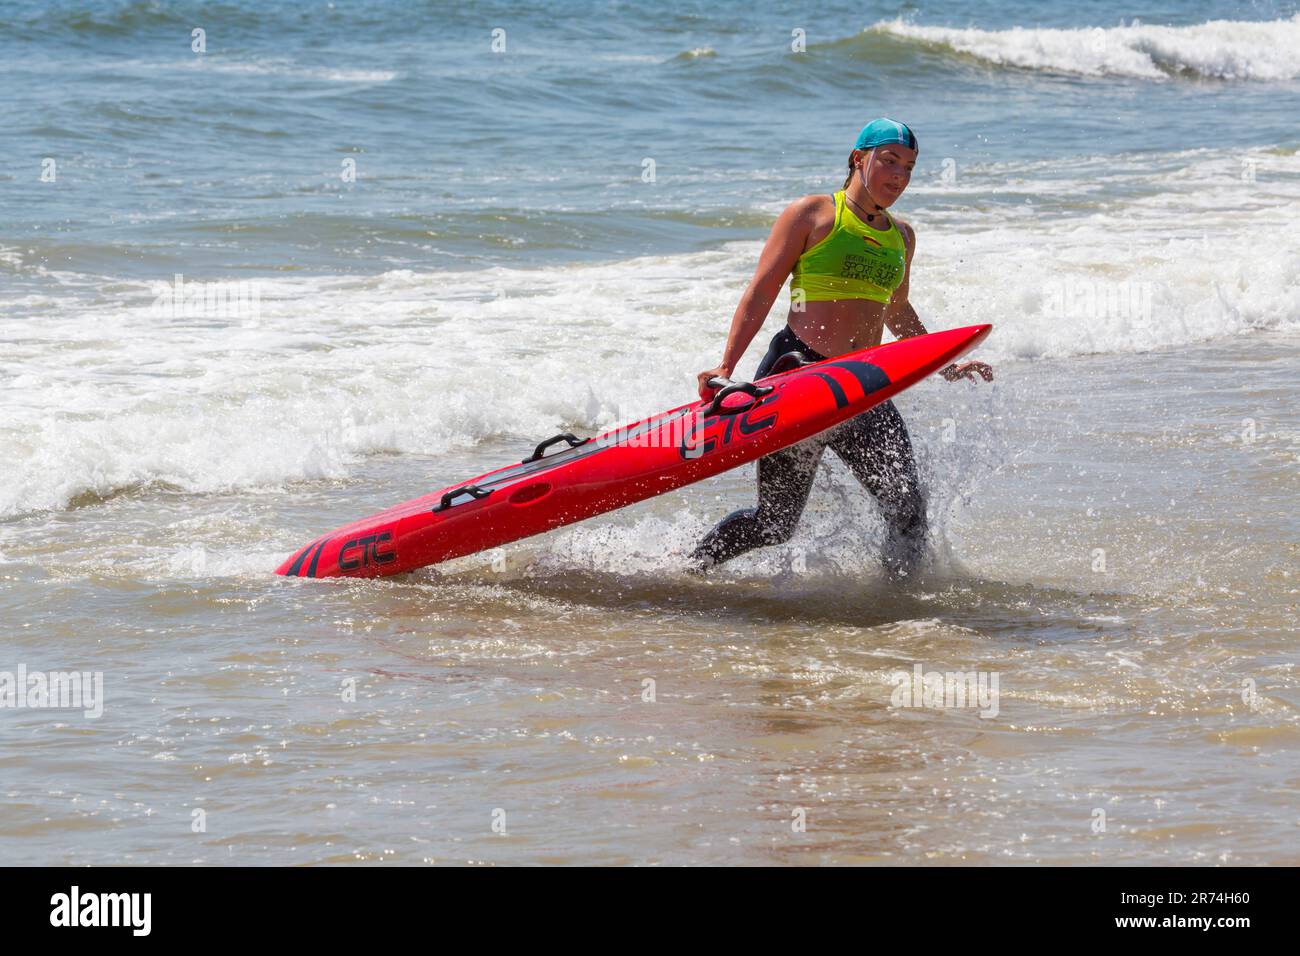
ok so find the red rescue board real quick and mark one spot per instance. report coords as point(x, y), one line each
point(627, 464)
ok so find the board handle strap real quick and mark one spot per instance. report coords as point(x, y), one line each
point(538, 452)
point(726, 388)
point(472, 490)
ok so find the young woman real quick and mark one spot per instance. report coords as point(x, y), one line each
point(850, 263)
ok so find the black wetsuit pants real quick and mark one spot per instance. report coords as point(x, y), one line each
point(876, 447)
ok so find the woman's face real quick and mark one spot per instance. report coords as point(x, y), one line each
point(889, 170)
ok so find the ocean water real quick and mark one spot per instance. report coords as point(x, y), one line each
point(423, 237)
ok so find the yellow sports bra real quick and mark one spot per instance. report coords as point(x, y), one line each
point(854, 261)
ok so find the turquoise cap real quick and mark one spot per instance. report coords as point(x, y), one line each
point(884, 132)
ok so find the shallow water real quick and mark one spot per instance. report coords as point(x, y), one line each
point(515, 681)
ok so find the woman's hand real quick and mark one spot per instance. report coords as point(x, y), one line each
point(967, 370)
point(706, 392)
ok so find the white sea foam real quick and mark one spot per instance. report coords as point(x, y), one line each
point(1219, 49)
point(95, 400)
point(11, 258)
point(275, 67)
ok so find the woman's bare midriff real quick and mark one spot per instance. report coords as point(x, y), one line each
point(844, 325)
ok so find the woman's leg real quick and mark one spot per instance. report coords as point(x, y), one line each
point(876, 447)
point(785, 479)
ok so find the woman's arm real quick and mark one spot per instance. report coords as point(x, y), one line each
point(782, 250)
point(900, 318)
point(903, 322)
